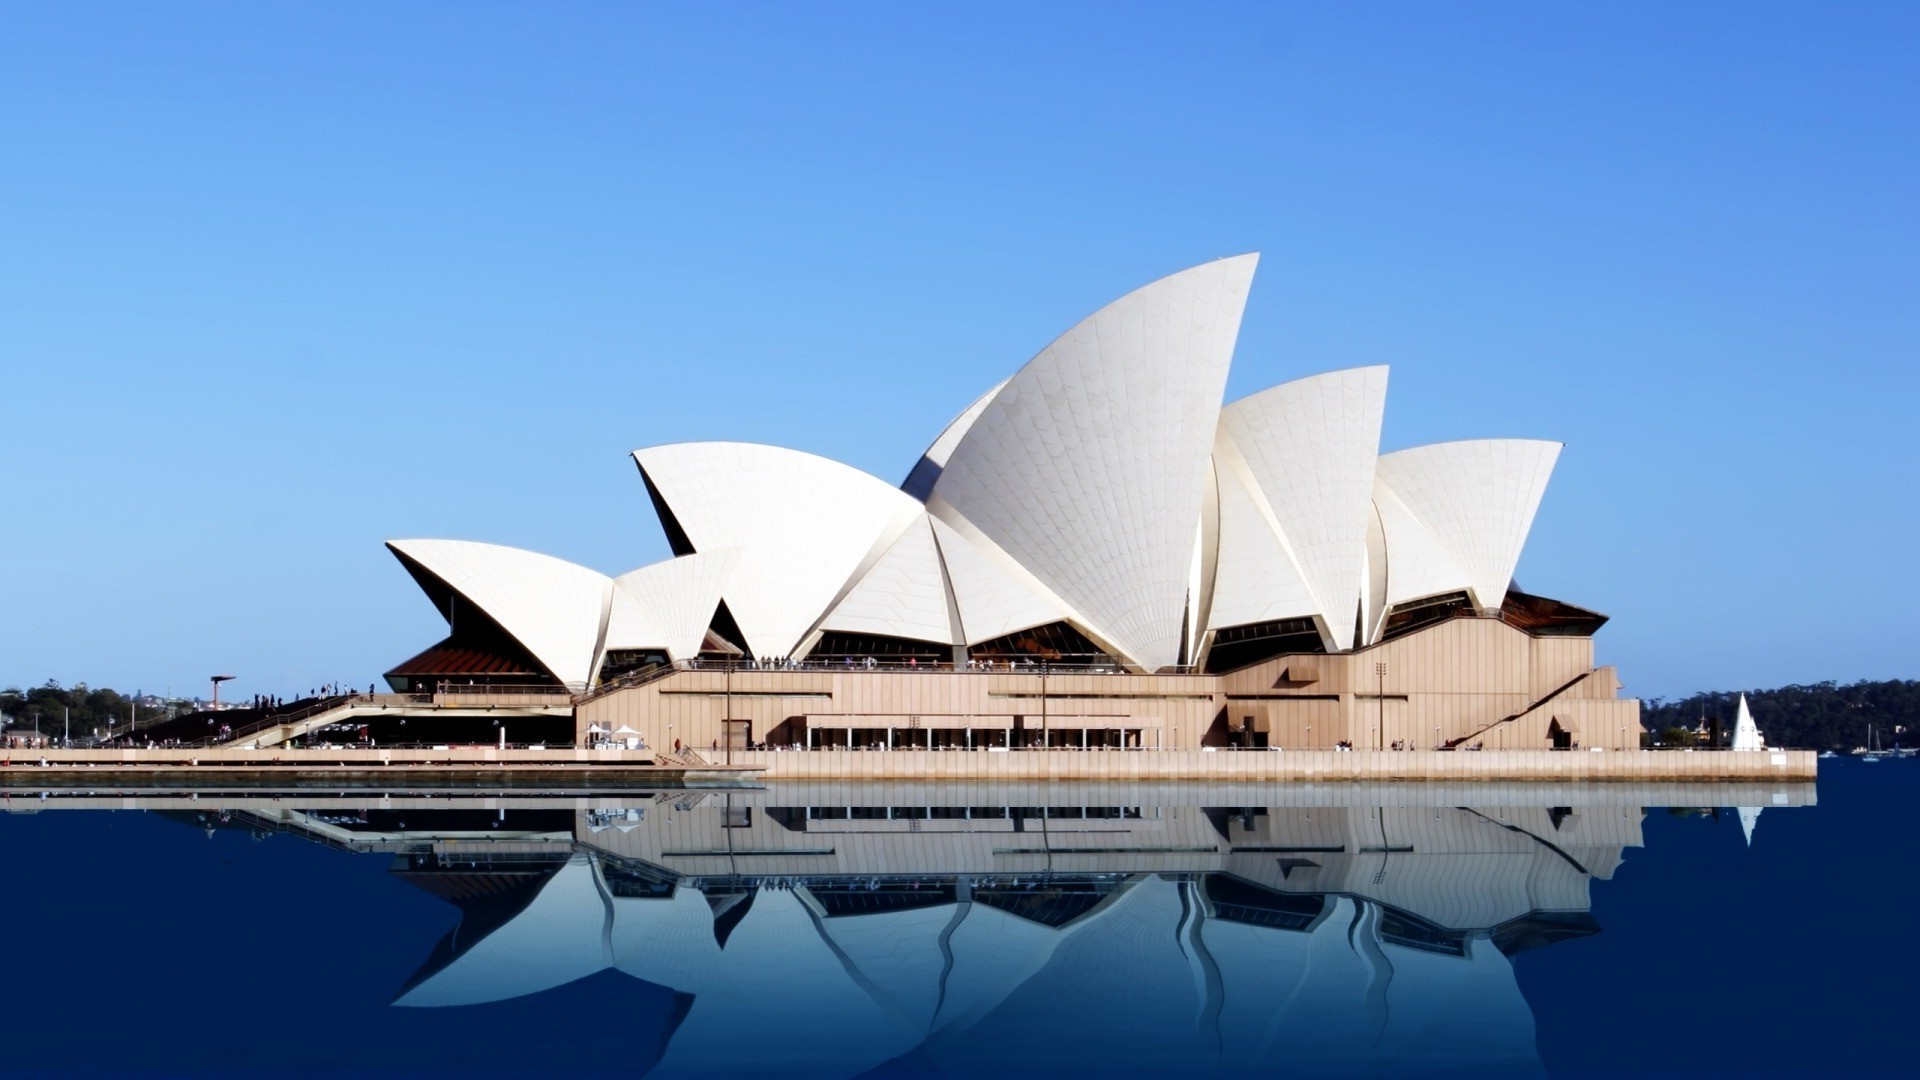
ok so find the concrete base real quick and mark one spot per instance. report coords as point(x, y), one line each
point(1287, 766)
point(282, 768)
point(493, 767)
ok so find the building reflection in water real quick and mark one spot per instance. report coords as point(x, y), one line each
point(843, 929)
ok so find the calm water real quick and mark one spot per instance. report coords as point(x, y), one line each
point(920, 930)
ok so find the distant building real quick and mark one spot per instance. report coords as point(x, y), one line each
point(1243, 570)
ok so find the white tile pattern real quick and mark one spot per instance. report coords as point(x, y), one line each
point(1087, 466)
point(1255, 579)
point(919, 482)
point(670, 604)
point(1102, 484)
point(1310, 445)
point(903, 595)
point(992, 597)
point(1417, 564)
point(1477, 498)
point(802, 524)
point(553, 607)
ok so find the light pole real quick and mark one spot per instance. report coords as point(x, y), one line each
point(217, 680)
point(1380, 695)
point(1046, 737)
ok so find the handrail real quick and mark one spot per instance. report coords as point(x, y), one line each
point(638, 678)
point(1563, 688)
point(848, 663)
point(279, 719)
point(460, 689)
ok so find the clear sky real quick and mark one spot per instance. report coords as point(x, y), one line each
point(281, 281)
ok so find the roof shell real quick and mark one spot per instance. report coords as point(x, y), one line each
point(669, 604)
point(1477, 498)
point(904, 594)
point(1310, 446)
point(554, 608)
point(802, 525)
point(993, 596)
point(1418, 564)
point(1255, 576)
point(1087, 467)
point(919, 482)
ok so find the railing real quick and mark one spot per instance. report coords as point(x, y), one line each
point(1458, 743)
point(638, 678)
point(470, 689)
point(1090, 665)
point(282, 719)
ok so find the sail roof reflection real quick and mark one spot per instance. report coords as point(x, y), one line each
point(913, 928)
point(931, 930)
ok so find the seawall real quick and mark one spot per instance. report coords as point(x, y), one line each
point(1288, 766)
point(622, 767)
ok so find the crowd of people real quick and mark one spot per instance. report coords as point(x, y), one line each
point(1102, 666)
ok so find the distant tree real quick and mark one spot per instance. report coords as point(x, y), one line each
point(1820, 716)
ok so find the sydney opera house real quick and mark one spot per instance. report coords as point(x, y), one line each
point(1098, 552)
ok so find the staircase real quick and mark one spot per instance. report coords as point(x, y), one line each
point(1455, 744)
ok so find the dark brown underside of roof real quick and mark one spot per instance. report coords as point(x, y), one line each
point(1548, 617)
point(1236, 647)
point(450, 658)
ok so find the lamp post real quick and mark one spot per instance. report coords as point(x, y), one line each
point(1046, 737)
point(1380, 696)
point(217, 680)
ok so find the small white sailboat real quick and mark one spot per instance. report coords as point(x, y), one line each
point(1873, 755)
point(1746, 736)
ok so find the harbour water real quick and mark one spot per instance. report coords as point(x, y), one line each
point(962, 930)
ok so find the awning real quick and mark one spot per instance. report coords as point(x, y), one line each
point(1030, 721)
point(829, 721)
point(1092, 723)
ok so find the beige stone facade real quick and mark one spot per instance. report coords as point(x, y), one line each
point(1464, 683)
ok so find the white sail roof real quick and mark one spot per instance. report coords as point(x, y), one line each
point(1310, 445)
point(1373, 598)
point(1418, 565)
point(552, 607)
point(802, 525)
point(919, 482)
point(1087, 467)
point(1255, 576)
point(904, 594)
point(1477, 498)
point(992, 594)
point(1103, 484)
point(670, 604)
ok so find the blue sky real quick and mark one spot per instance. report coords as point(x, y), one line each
point(279, 282)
